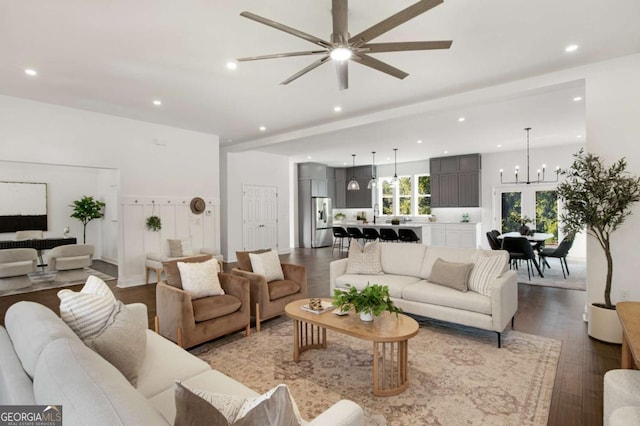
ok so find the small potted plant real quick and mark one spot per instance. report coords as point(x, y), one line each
point(154, 223)
point(369, 302)
point(598, 198)
point(340, 216)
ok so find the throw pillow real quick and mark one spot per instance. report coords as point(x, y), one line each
point(199, 407)
point(180, 248)
point(200, 279)
point(486, 269)
point(173, 273)
point(450, 274)
point(122, 342)
point(364, 260)
point(244, 262)
point(88, 311)
point(267, 264)
point(105, 325)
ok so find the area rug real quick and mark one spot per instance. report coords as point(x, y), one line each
point(577, 280)
point(44, 280)
point(458, 376)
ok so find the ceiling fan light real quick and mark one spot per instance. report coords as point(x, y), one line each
point(340, 53)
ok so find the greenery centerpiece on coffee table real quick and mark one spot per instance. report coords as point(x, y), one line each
point(598, 198)
point(369, 302)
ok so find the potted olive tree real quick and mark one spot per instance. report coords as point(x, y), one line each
point(369, 302)
point(85, 210)
point(598, 198)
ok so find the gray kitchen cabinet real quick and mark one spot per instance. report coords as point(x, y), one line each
point(455, 181)
point(340, 202)
point(319, 188)
point(362, 197)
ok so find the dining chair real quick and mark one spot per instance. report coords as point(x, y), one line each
point(339, 234)
point(520, 248)
point(388, 234)
point(494, 242)
point(559, 252)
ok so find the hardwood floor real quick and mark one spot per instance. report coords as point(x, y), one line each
point(544, 311)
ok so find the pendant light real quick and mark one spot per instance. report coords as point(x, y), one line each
point(353, 184)
point(372, 181)
point(394, 181)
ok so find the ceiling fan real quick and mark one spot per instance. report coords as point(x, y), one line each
point(342, 48)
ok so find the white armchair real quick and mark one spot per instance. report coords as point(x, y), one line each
point(70, 261)
point(15, 264)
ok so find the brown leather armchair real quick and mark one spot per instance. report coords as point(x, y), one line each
point(190, 322)
point(268, 299)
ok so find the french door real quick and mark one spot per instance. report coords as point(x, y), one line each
point(538, 202)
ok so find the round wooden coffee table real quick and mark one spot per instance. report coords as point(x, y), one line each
point(390, 336)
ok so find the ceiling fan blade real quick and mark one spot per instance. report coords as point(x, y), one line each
point(342, 69)
point(305, 70)
point(339, 9)
point(282, 55)
point(404, 46)
point(379, 65)
point(392, 22)
point(286, 29)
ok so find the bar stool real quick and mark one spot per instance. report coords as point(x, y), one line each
point(407, 235)
point(370, 234)
point(355, 233)
point(339, 234)
point(388, 234)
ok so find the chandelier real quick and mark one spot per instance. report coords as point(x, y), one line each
point(540, 172)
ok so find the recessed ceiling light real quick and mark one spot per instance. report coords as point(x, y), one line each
point(577, 99)
point(461, 119)
point(157, 102)
point(579, 136)
point(232, 65)
point(419, 141)
point(31, 72)
point(571, 48)
point(344, 164)
point(262, 129)
point(498, 146)
point(337, 108)
point(446, 152)
point(308, 157)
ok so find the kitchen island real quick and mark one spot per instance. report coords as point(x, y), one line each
point(447, 234)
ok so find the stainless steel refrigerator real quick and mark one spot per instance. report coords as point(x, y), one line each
point(321, 222)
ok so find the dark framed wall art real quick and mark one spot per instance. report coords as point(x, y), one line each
point(23, 206)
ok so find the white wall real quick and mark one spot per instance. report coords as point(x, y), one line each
point(612, 95)
point(253, 168)
point(153, 160)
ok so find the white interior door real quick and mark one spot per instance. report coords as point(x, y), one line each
point(259, 217)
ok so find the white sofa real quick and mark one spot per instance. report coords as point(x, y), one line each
point(43, 362)
point(406, 270)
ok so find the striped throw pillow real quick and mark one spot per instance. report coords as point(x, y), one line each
point(487, 268)
point(87, 312)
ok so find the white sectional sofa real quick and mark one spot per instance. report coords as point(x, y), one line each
point(43, 362)
point(406, 270)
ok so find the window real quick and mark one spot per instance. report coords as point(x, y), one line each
point(404, 196)
point(412, 196)
point(387, 196)
point(423, 195)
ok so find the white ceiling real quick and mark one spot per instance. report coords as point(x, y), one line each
point(116, 56)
